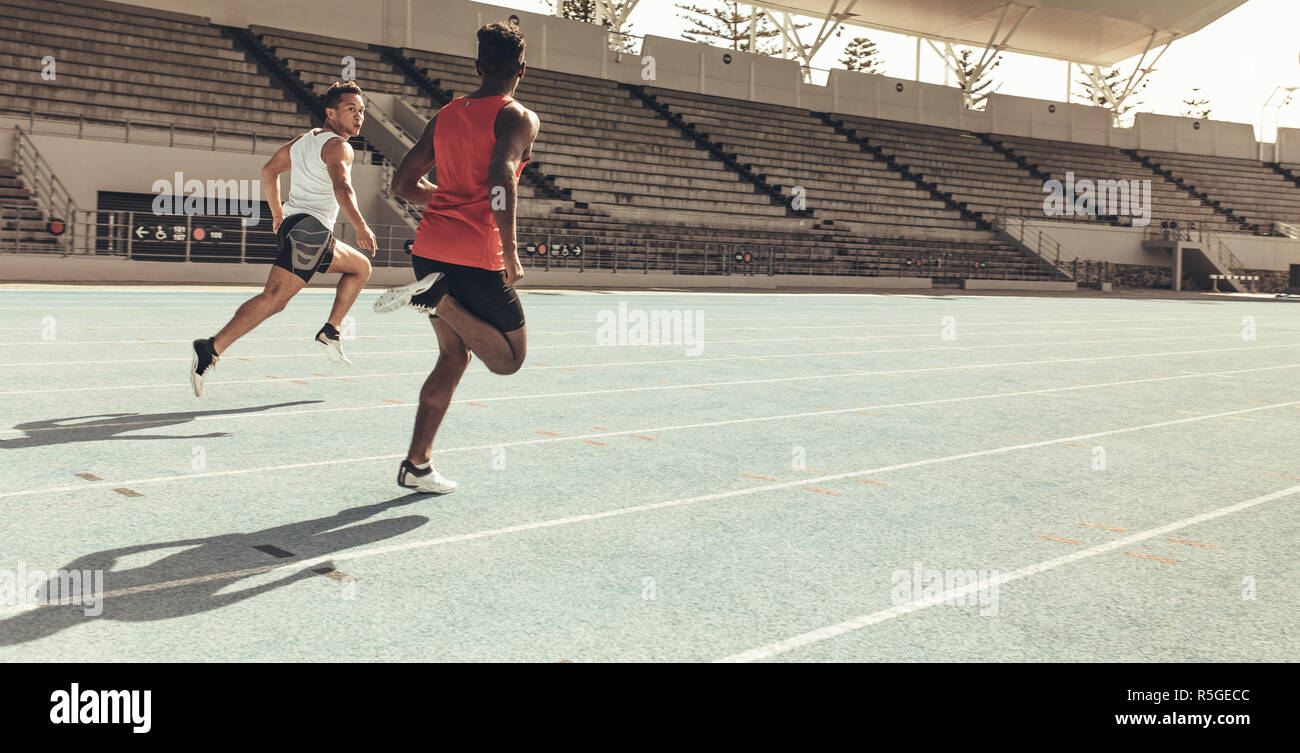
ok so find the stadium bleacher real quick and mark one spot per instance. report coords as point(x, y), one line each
point(1248, 188)
point(1169, 202)
point(958, 163)
point(133, 63)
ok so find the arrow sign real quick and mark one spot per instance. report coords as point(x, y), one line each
point(140, 232)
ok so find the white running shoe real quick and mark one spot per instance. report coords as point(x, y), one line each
point(205, 357)
point(333, 346)
point(396, 298)
point(428, 480)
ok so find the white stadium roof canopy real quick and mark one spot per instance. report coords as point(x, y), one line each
point(1091, 32)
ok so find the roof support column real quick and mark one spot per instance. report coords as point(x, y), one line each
point(967, 78)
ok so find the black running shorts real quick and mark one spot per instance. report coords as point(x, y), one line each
point(482, 292)
point(306, 246)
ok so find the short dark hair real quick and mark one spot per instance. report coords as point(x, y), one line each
point(338, 89)
point(500, 48)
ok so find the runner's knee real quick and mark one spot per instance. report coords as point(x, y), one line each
point(454, 361)
point(506, 368)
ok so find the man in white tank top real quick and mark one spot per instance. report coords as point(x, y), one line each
point(320, 166)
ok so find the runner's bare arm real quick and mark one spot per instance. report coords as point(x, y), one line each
point(278, 163)
point(409, 182)
point(337, 154)
point(516, 128)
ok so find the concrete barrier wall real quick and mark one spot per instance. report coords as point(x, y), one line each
point(689, 66)
point(1288, 145)
point(1026, 285)
point(1059, 121)
point(46, 268)
point(1123, 245)
point(84, 169)
point(1216, 138)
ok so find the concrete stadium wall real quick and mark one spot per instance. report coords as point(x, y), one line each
point(1123, 245)
point(573, 47)
point(1288, 145)
point(1216, 138)
point(1041, 119)
point(86, 167)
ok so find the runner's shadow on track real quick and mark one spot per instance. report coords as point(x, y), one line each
point(110, 425)
point(200, 578)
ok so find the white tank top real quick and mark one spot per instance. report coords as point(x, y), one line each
point(311, 191)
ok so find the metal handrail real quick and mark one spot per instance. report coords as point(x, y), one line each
point(1047, 247)
point(43, 185)
point(1228, 259)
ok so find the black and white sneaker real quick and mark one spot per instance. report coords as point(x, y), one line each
point(205, 357)
point(398, 297)
point(329, 339)
point(428, 480)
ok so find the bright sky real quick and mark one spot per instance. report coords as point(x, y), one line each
point(1237, 61)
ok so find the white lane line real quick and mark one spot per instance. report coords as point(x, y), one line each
point(432, 350)
point(429, 331)
point(1049, 326)
point(654, 430)
point(572, 519)
point(388, 406)
point(421, 327)
point(857, 623)
point(291, 379)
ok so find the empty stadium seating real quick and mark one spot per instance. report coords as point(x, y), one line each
point(125, 63)
point(1168, 201)
point(319, 61)
point(1248, 188)
point(839, 181)
point(975, 174)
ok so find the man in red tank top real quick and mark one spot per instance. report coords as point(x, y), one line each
point(464, 254)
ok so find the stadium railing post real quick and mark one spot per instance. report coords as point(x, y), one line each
point(130, 232)
point(243, 243)
point(189, 232)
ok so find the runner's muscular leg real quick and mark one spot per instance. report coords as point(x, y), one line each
point(355, 268)
point(501, 352)
point(435, 395)
point(281, 285)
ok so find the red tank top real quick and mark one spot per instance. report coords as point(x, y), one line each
point(458, 226)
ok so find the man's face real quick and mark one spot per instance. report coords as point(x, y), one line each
point(349, 114)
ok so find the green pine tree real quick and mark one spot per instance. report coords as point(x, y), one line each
point(1112, 85)
point(1197, 106)
point(975, 89)
point(863, 56)
point(728, 25)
